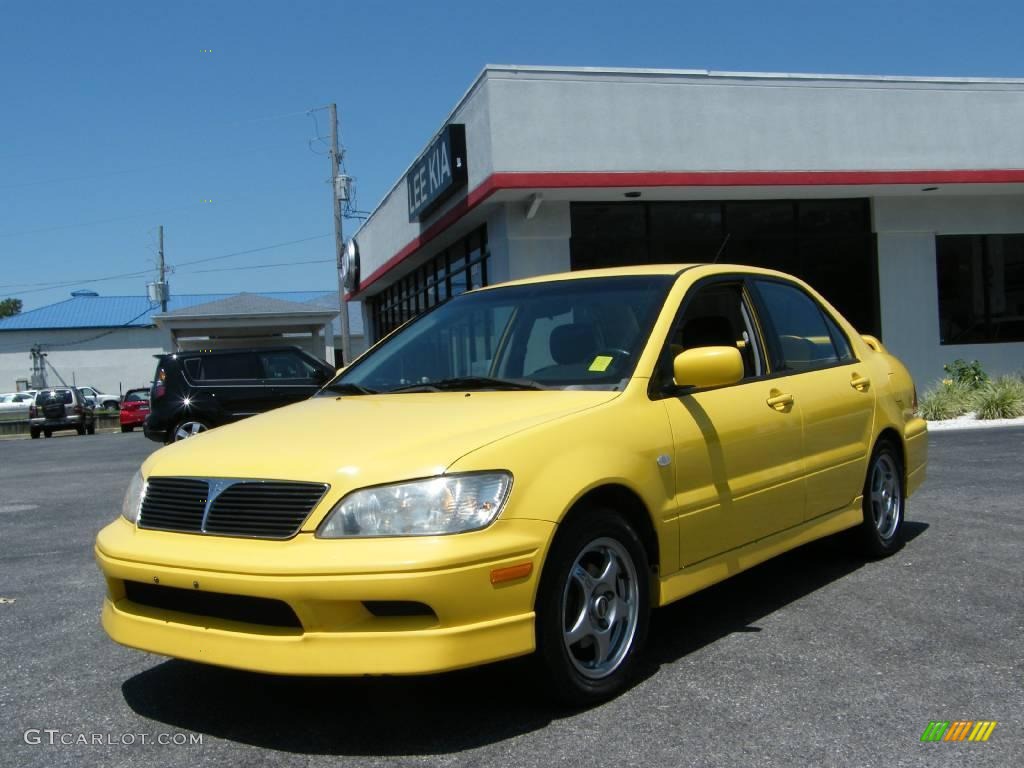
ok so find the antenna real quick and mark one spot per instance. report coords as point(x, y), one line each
point(721, 248)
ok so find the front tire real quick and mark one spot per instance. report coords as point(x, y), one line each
point(34, 433)
point(881, 533)
point(592, 607)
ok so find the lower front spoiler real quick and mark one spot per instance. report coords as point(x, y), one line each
point(286, 652)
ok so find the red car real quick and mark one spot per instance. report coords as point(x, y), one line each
point(134, 408)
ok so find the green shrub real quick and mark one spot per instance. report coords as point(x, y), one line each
point(946, 400)
point(969, 374)
point(1000, 399)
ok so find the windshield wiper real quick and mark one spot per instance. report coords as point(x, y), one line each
point(470, 382)
point(345, 388)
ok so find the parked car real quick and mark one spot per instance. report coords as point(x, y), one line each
point(60, 408)
point(134, 408)
point(639, 434)
point(100, 399)
point(13, 404)
point(195, 391)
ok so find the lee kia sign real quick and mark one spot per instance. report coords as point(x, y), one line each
point(438, 173)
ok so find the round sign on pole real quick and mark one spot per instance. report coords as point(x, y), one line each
point(349, 267)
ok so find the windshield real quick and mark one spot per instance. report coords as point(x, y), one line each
point(580, 334)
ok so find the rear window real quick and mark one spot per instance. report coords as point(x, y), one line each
point(55, 396)
point(141, 395)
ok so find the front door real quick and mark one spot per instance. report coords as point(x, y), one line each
point(738, 449)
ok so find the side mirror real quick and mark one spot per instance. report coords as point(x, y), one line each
point(707, 367)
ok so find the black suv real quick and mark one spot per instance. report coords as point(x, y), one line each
point(195, 391)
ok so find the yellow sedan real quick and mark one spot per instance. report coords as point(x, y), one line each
point(527, 468)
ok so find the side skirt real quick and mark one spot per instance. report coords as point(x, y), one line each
point(696, 577)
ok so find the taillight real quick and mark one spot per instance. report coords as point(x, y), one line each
point(32, 411)
point(78, 409)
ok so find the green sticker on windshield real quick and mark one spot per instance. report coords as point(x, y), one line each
point(601, 363)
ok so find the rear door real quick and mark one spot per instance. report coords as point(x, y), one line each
point(833, 389)
point(231, 383)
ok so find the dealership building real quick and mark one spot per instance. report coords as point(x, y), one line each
point(900, 199)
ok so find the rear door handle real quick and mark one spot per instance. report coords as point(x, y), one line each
point(860, 383)
point(780, 401)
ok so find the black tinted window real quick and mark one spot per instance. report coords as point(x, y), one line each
point(54, 396)
point(286, 365)
point(802, 337)
point(233, 366)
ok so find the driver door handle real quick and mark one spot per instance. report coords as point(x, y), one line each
point(780, 401)
point(860, 383)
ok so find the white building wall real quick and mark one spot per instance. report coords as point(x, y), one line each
point(552, 120)
point(117, 361)
point(908, 288)
point(522, 247)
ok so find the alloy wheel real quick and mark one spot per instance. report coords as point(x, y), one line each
point(886, 496)
point(600, 608)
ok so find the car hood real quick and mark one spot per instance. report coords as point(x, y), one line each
point(354, 441)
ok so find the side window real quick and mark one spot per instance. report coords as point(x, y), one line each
point(285, 365)
point(232, 366)
point(802, 336)
point(718, 316)
point(839, 339)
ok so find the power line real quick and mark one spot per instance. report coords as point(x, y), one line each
point(260, 266)
point(38, 287)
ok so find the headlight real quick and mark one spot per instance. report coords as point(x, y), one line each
point(447, 504)
point(133, 497)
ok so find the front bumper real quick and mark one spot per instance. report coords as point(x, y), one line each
point(328, 585)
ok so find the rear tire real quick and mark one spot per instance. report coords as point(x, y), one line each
point(91, 429)
point(593, 607)
point(881, 533)
point(34, 433)
point(188, 428)
point(126, 428)
point(47, 433)
point(80, 430)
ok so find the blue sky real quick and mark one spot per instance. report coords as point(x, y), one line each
point(113, 120)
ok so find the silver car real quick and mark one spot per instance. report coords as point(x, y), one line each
point(60, 408)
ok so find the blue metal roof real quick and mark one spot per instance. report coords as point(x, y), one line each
point(131, 311)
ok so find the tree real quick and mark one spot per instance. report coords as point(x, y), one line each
point(10, 307)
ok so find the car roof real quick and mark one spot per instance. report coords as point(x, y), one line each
point(705, 268)
point(208, 352)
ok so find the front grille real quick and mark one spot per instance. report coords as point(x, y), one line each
point(264, 509)
point(250, 610)
point(173, 504)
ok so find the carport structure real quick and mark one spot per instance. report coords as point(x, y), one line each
point(250, 320)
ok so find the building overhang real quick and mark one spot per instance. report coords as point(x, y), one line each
point(507, 187)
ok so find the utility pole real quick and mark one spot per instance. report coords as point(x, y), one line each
point(163, 278)
point(337, 203)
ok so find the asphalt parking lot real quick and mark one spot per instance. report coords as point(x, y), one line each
point(815, 658)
